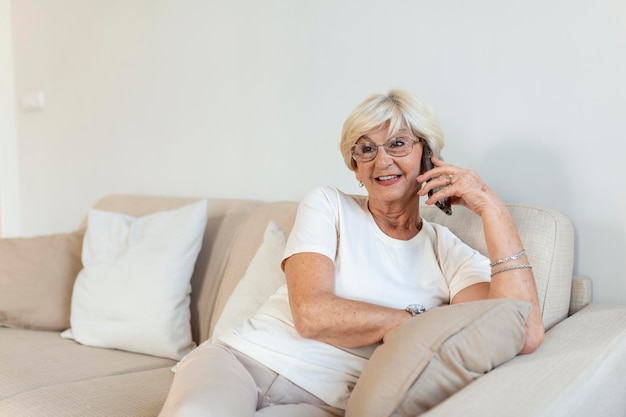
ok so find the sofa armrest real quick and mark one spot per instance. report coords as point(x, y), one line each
point(578, 371)
point(581, 293)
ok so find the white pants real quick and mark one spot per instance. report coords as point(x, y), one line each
point(217, 381)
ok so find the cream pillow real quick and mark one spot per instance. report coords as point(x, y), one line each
point(431, 356)
point(36, 279)
point(262, 278)
point(133, 292)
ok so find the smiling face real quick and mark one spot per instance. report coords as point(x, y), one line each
point(389, 179)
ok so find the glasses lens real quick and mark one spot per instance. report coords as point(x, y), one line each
point(364, 151)
point(399, 146)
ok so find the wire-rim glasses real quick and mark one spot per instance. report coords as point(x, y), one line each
point(365, 150)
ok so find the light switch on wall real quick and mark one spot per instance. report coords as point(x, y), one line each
point(33, 101)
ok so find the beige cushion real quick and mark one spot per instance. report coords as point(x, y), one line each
point(246, 242)
point(431, 356)
point(36, 279)
point(33, 359)
point(133, 394)
point(263, 277)
point(548, 237)
point(578, 371)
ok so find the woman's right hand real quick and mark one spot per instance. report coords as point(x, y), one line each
point(462, 186)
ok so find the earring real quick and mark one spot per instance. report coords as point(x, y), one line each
point(360, 183)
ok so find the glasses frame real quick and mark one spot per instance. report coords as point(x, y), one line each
point(387, 151)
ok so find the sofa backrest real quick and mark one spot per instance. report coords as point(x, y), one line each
point(247, 241)
point(235, 230)
point(547, 236)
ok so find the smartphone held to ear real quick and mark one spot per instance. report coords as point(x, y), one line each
point(427, 164)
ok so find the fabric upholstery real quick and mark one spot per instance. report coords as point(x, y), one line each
point(137, 394)
point(262, 278)
point(433, 355)
point(548, 238)
point(248, 239)
point(578, 371)
point(32, 359)
point(582, 292)
point(36, 279)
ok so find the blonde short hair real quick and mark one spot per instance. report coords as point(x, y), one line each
point(398, 109)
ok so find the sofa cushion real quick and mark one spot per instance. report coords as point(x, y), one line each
point(32, 359)
point(36, 279)
point(262, 278)
point(433, 355)
point(133, 292)
point(246, 242)
point(135, 394)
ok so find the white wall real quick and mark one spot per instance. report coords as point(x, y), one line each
point(243, 98)
point(9, 196)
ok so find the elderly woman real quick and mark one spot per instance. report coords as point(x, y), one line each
point(356, 268)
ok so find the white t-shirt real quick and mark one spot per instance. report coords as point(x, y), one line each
point(370, 266)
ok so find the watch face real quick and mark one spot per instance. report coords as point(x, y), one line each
point(415, 309)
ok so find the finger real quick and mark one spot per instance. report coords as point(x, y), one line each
point(444, 179)
point(439, 168)
point(439, 162)
point(432, 184)
point(439, 194)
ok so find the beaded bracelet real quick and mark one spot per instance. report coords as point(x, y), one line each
point(508, 258)
point(509, 268)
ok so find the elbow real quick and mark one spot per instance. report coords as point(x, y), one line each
point(532, 341)
point(305, 328)
point(305, 325)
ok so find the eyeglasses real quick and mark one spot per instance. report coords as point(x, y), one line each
point(367, 151)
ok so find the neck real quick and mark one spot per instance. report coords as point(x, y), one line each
point(400, 223)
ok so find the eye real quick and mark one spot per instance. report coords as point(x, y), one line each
point(396, 143)
point(365, 148)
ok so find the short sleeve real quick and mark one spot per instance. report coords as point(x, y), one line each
point(315, 228)
point(461, 264)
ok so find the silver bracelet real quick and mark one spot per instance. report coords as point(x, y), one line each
point(509, 268)
point(508, 258)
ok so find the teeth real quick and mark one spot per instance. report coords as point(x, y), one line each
point(387, 177)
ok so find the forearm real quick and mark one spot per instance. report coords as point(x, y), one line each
point(320, 314)
point(503, 241)
point(343, 322)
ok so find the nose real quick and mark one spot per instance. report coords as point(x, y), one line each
point(382, 158)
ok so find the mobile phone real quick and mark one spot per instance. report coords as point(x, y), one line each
point(427, 164)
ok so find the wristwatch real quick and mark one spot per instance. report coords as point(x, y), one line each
point(415, 309)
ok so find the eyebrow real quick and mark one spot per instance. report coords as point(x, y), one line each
point(403, 131)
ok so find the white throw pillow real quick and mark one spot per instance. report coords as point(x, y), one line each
point(262, 278)
point(133, 292)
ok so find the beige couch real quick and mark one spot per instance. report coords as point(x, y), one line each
point(580, 370)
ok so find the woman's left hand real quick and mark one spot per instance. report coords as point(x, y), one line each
point(462, 186)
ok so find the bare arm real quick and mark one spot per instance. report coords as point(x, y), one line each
point(319, 314)
point(502, 240)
